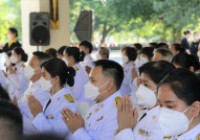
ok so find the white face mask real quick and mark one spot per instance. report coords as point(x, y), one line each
point(7, 61)
point(91, 91)
point(173, 123)
point(98, 56)
point(124, 59)
point(13, 59)
point(140, 61)
point(45, 84)
point(29, 72)
point(146, 98)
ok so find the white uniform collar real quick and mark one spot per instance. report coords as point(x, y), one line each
point(60, 93)
point(111, 98)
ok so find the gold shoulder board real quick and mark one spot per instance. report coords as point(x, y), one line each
point(69, 98)
point(117, 100)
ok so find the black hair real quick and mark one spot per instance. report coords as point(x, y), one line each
point(162, 45)
point(75, 53)
point(57, 67)
point(52, 52)
point(62, 49)
point(148, 51)
point(156, 70)
point(153, 44)
point(11, 120)
point(21, 52)
point(42, 56)
point(42, 137)
point(186, 61)
point(87, 45)
point(13, 30)
point(164, 52)
point(4, 94)
point(112, 69)
point(185, 85)
point(106, 51)
point(138, 46)
point(186, 32)
point(178, 47)
point(131, 53)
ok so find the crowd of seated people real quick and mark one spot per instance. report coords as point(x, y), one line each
point(68, 94)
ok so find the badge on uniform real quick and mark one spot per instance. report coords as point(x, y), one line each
point(198, 137)
point(117, 100)
point(69, 98)
point(167, 137)
point(143, 133)
point(22, 65)
point(76, 68)
point(99, 119)
point(50, 117)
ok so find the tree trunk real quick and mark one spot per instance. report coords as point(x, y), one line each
point(105, 32)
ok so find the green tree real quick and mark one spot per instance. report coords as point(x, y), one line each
point(10, 15)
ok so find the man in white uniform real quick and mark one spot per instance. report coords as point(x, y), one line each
point(101, 119)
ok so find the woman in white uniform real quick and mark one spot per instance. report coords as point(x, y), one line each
point(179, 98)
point(73, 57)
point(16, 80)
point(147, 127)
point(36, 88)
point(129, 56)
point(179, 113)
point(57, 80)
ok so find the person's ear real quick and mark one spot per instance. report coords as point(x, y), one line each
point(111, 85)
point(56, 80)
point(19, 57)
point(195, 109)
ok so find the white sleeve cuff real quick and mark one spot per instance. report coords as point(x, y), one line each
point(38, 121)
point(80, 133)
point(126, 134)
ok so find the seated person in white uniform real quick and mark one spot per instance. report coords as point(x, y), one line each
point(129, 56)
point(179, 113)
point(103, 53)
point(147, 126)
point(17, 82)
point(73, 57)
point(48, 119)
point(60, 52)
point(101, 119)
point(179, 98)
point(36, 88)
point(87, 48)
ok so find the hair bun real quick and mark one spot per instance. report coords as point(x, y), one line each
point(71, 72)
point(81, 56)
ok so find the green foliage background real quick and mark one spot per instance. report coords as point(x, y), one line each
point(127, 21)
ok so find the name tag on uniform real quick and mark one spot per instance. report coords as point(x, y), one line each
point(143, 132)
point(50, 117)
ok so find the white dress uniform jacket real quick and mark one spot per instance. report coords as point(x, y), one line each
point(18, 82)
point(42, 96)
point(50, 120)
point(80, 80)
point(88, 61)
point(146, 129)
point(193, 134)
point(126, 86)
point(101, 121)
